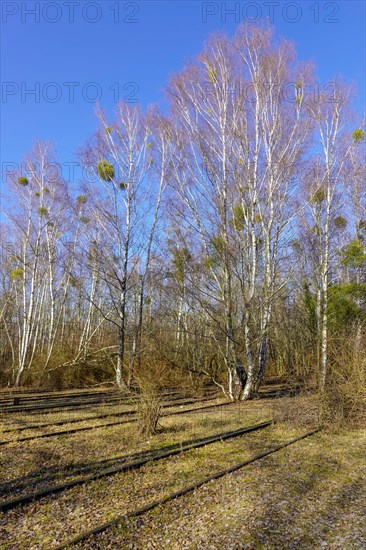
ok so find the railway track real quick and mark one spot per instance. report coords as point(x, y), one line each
point(124, 463)
point(50, 403)
point(129, 413)
point(51, 395)
point(8, 400)
point(31, 404)
point(107, 424)
point(82, 537)
point(176, 401)
point(70, 406)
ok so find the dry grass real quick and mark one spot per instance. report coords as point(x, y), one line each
point(258, 507)
point(308, 496)
point(82, 507)
point(42, 459)
point(300, 412)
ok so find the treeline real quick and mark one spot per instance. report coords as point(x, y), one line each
point(223, 240)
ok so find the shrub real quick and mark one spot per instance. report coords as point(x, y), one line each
point(150, 380)
point(344, 396)
point(148, 409)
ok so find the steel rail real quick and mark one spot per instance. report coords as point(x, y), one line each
point(188, 489)
point(179, 447)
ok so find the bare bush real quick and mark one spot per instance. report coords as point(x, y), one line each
point(344, 397)
point(150, 381)
point(149, 410)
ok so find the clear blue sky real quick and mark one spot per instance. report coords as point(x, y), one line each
point(101, 47)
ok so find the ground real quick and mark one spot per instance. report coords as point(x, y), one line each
point(308, 495)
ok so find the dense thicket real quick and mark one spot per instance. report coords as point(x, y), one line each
point(223, 240)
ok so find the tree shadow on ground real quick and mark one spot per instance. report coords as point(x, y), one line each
point(303, 502)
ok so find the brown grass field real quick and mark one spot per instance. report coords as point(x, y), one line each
point(308, 495)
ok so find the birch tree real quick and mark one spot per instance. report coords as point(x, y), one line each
point(235, 163)
point(272, 138)
point(124, 203)
point(38, 221)
point(330, 115)
point(206, 113)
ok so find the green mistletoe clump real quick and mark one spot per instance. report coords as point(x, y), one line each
point(105, 170)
